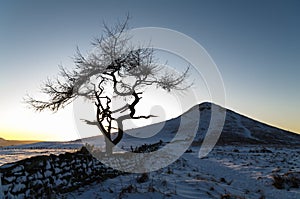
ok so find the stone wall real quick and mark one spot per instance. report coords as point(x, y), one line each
point(47, 176)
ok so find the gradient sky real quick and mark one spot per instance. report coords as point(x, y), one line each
point(255, 45)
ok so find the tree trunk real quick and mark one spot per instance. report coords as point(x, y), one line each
point(108, 146)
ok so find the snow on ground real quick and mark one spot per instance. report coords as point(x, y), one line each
point(227, 172)
point(13, 155)
point(235, 171)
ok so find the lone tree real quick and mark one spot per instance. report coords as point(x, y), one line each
point(113, 65)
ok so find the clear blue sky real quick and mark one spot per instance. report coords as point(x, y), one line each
point(255, 45)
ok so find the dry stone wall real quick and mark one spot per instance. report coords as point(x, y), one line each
point(49, 176)
point(46, 176)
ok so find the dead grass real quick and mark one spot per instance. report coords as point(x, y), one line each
point(287, 180)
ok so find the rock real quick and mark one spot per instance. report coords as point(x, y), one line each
point(18, 187)
point(18, 169)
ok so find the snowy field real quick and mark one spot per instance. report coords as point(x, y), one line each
point(227, 172)
point(15, 153)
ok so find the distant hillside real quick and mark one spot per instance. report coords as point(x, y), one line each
point(4, 143)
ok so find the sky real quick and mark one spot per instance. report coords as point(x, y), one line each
point(255, 45)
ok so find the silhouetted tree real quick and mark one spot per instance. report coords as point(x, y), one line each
point(113, 65)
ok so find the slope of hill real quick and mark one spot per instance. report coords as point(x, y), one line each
point(237, 130)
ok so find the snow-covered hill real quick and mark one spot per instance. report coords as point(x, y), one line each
point(237, 130)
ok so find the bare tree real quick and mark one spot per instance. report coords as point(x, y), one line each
point(113, 65)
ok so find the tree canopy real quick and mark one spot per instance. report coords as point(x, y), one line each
point(113, 66)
